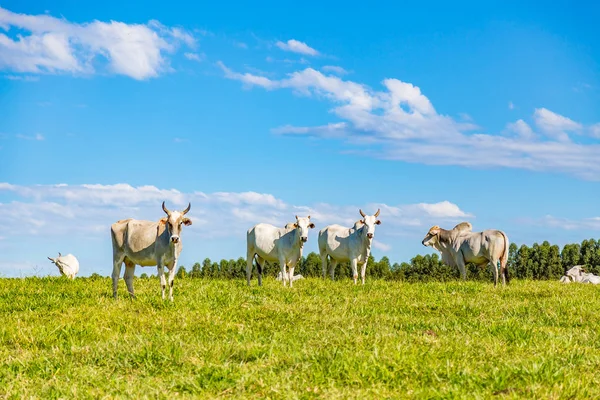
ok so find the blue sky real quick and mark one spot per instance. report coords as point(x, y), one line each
point(434, 113)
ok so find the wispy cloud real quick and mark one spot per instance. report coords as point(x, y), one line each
point(568, 224)
point(55, 45)
point(195, 56)
point(334, 69)
point(554, 125)
point(24, 78)
point(296, 46)
point(90, 209)
point(37, 137)
point(400, 123)
point(511, 105)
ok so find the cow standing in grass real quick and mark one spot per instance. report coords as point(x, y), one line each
point(341, 244)
point(148, 243)
point(460, 246)
point(270, 243)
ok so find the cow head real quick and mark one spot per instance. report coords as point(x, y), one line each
point(432, 237)
point(175, 221)
point(369, 222)
point(303, 225)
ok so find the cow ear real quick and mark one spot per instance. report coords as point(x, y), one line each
point(187, 221)
point(378, 222)
point(311, 225)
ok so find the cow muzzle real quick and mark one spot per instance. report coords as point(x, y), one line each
point(304, 239)
point(423, 242)
point(370, 235)
point(175, 239)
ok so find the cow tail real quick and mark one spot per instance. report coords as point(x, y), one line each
point(504, 258)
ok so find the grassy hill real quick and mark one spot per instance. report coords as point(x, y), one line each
point(321, 339)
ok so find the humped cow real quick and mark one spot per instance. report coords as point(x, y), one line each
point(67, 265)
point(578, 274)
point(284, 245)
point(148, 243)
point(461, 245)
point(341, 244)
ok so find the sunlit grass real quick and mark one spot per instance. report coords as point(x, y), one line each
point(321, 339)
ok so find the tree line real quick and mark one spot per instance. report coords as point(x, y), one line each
point(538, 262)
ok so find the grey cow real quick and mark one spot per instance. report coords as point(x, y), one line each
point(460, 246)
point(148, 243)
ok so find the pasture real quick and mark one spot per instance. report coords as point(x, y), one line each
point(321, 339)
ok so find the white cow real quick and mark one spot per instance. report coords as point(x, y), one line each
point(341, 244)
point(460, 246)
point(148, 243)
point(269, 243)
point(578, 274)
point(67, 265)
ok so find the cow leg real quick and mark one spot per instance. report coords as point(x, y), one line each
point(363, 271)
point(494, 264)
point(249, 260)
point(354, 265)
point(259, 269)
point(324, 263)
point(128, 277)
point(291, 273)
point(284, 277)
point(171, 268)
point(461, 267)
point(161, 273)
point(117, 264)
point(332, 267)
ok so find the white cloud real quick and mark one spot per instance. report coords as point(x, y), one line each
point(381, 246)
point(554, 125)
point(55, 45)
point(194, 56)
point(567, 223)
point(25, 78)
point(522, 129)
point(296, 46)
point(400, 123)
point(37, 137)
point(90, 210)
point(334, 69)
point(595, 130)
point(511, 105)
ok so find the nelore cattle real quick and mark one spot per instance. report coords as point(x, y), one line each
point(148, 243)
point(341, 244)
point(266, 242)
point(461, 245)
point(67, 265)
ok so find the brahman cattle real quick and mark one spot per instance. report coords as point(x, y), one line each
point(148, 243)
point(341, 244)
point(460, 246)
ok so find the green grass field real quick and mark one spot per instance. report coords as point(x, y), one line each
point(321, 339)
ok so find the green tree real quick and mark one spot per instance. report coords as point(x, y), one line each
point(181, 272)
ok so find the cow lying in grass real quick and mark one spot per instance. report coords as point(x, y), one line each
point(578, 274)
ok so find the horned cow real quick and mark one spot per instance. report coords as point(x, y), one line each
point(148, 243)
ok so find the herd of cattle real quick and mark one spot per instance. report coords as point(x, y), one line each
point(150, 243)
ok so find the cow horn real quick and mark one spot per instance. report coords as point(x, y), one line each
point(51, 259)
point(165, 209)
point(187, 209)
point(377, 213)
point(60, 255)
point(361, 212)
